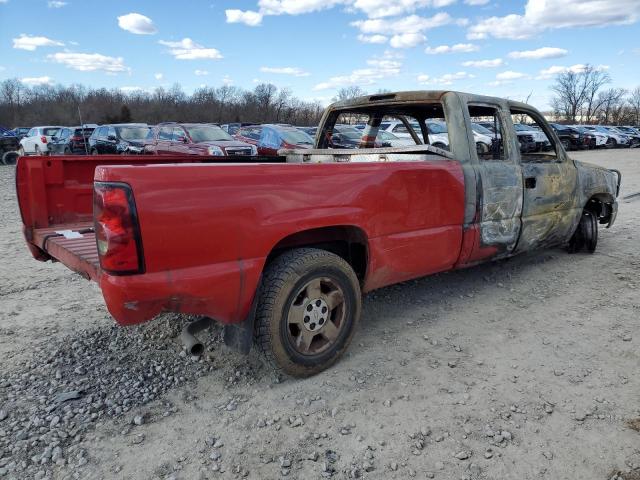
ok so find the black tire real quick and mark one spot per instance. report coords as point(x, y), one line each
point(10, 158)
point(566, 144)
point(94, 152)
point(611, 143)
point(586, 234)
point(296, 288)
point(67, 151)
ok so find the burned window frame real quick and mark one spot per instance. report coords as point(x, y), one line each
point(559, 157)
point(378, 112)
point(501, 115)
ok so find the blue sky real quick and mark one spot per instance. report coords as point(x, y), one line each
point(495, 47)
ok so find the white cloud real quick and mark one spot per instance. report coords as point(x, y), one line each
point(296, 7)
point(137, 23)
point(390, 8)
point(496, 62)
point(447, 79)
point(89, 62)
point(201, 73)
point(556, 69)
point(294, 71)
point(29, 42)
point(400, 26)
point(377, 39)
point(457, 48)
point(540, 53)
point(407, 40)
point(476, 2)
point(37, 80)
point(56, 4)
point(540, 15)
point(511, 75)
point(187, 49)
point(248, 17)
point(159, 76)
point(387, 66)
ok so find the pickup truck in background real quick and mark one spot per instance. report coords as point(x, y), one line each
point(280, 249)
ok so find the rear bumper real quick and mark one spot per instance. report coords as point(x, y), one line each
point(222, 291)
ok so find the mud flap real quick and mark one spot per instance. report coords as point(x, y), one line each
point(239, 336)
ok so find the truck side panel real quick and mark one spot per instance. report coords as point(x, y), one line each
point(207, 230)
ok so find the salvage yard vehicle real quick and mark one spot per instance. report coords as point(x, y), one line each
point(9, 144)
point(120, 139)
point(70, 140)
point(269, 138)
point(37, 139)
point(280, 250)
point(194, 139)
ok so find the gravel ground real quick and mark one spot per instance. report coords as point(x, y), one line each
point(519, 369)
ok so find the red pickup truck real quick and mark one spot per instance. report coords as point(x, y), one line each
point(279, 250)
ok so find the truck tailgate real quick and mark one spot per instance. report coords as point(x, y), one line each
point(74, 245)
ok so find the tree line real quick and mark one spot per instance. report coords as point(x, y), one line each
point(21, 105)
point(583, 95)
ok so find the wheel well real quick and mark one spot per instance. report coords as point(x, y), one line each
point(346, 241)
point(600, 206)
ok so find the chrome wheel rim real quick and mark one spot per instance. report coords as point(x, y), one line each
point(316, 317)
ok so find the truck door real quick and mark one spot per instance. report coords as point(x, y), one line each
point(494, 231)
point(549, 177)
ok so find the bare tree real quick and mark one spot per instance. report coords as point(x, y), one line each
point(576, 92)
point(25, 106)
point(611, 103)
point(634, 103)
point(347, 93)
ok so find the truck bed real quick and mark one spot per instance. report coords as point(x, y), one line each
point(207, 231)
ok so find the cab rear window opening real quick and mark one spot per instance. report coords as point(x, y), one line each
point(378, 118)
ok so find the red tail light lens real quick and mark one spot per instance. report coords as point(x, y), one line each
point(117, 229)
point(43, 139)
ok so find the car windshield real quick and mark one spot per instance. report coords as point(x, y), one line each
point(50, 132)
point(208, 133)
point(295, 137)
point(133, 133)
point(480, 129)
point(436, 127)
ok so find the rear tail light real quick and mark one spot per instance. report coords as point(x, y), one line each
point(117, 229)
point(43, 139)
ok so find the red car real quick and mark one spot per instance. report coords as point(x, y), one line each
point(194, 139)
point(271, 138)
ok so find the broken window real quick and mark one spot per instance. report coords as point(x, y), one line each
point(487, 128)
point(534, 138)
point(384, 126)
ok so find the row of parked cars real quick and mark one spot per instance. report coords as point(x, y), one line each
point(246, 139)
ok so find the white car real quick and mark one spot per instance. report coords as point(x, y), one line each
point(542, 142)
point(601, 138)
point(36, 142)
point(614, 139)
point(394, 140)
point(438, 135)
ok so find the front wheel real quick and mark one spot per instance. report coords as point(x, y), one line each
point(586, 234)
point(10, 158)
point(308, 310)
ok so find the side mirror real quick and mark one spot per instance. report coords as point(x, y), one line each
point(183, 139)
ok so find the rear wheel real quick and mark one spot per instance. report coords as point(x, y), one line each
point(94, 152)
point(586, 234)
point(566, 144)
point(308, 311)
point(611, 143)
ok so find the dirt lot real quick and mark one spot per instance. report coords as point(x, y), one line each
point(520, 369)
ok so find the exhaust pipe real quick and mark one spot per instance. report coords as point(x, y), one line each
point(191, 343)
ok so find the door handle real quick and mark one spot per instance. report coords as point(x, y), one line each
point(530, 182)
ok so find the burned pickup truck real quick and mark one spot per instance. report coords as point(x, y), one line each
point(280, 249)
